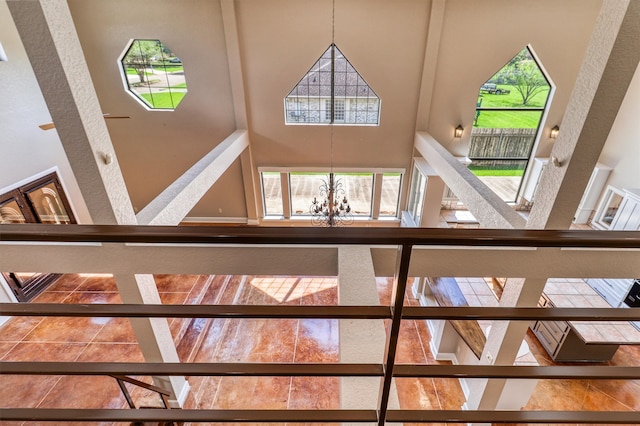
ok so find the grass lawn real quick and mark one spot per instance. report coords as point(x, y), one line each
point(131, 71)
point(510, 119)
point(512, 99)
point(168, 68)
point(164, 100)
point(179, 86)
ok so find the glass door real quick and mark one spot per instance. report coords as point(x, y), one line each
point(40, 201)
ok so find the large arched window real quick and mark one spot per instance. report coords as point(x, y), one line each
point(509, 109)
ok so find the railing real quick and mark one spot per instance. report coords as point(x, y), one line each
point(534, 248)
point(163, 394)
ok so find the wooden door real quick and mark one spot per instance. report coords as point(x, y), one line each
point(40, 201)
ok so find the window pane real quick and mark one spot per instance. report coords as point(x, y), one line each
point(310, 100)
point(272, 194)
point(154, 74)
point(390, 194)
point(358, 189)
point(416, 196)
point(338, 114)
point(10, 212)
point(501, 138)
point(520, 83)
point(501, 176)
point(304, 187)
point(507, 119)
point(501, 143)
point(48, 205)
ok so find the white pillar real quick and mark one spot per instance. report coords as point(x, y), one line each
point(361, 341)
point(610, 62)
point(51, 42)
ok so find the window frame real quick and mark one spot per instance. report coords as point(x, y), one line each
point(129, 89)
point(537, 134)
point(317, 112)
point(377, 178)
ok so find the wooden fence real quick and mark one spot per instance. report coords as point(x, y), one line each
point(501, 143)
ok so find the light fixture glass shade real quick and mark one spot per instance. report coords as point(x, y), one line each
point(457, 132)
point(554, 132)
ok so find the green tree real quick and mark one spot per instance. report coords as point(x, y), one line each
point(529, 80)
point(139, 56)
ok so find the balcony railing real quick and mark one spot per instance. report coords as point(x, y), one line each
point(401, 252)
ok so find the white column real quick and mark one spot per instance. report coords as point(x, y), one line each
point(610, 62)
point(361, 341)
point(48, 34)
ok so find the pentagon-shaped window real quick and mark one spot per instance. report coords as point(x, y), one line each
point(153, 74)
point(332, 80)
point(509, 110)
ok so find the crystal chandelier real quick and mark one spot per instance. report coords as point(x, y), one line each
point(334, 209)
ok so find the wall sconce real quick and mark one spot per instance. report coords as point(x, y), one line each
point(554, 132)
point(457, 132)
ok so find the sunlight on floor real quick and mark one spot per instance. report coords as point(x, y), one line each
point(287, 289)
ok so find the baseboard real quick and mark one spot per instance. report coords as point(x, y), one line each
point(179, 403)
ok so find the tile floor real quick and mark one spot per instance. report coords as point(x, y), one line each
point(229, 340)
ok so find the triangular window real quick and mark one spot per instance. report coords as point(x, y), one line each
point(332, 80)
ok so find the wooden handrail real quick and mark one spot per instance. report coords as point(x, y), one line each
point(318, 415)
point(403, 238)
point(121, 369)
point(309, 235)
point(332, 312)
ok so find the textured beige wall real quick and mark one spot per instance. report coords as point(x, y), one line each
point(279, 40)
point(622, 150)
point(156, 147)
point(25, 150)
point(479, 37)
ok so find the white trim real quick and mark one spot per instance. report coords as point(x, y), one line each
point(31, 178)
point(212, 219)
point(184, 393)
point(362, 221)
point(282, 169)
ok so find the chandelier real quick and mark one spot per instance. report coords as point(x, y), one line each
point(334, 209)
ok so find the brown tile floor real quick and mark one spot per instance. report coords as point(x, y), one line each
point(250, 340)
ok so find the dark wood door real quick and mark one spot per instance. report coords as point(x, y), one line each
point(40, 201)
